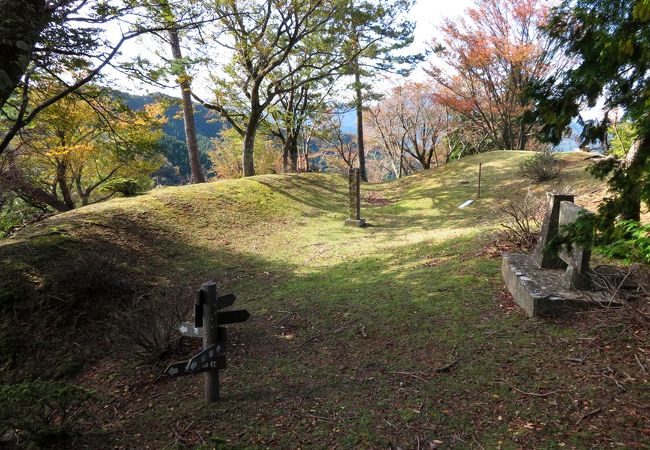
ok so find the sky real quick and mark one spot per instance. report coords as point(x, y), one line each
point(427, 14)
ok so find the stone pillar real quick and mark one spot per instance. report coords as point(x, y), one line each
point(355, 219)
point(550, 228)
point(577, 257)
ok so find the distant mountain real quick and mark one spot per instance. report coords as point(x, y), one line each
point(208, 126)
point(207, 123)
point(573, 141)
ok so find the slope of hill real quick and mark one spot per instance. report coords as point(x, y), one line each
point(397, 335)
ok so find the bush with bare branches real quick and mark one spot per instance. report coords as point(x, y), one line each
point(628, 287)
point(542, 166)
point(147, 330)
point(523, 219)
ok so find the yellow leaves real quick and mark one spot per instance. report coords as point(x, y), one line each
point(154, 114)
point(641, 11)
point(184, 78)
point(626, 47)
point(72, 141)
point(71, 151)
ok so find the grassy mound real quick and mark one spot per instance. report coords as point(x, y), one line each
point(353, 330)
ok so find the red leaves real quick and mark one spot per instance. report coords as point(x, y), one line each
point(490, 55)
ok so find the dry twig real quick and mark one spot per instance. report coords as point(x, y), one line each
point(446, 367)
point(535, 394)
point(589, 414)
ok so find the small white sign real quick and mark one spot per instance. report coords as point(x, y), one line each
point(188, 329)
point(466, 204)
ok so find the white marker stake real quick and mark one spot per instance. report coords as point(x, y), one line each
point(466, 204)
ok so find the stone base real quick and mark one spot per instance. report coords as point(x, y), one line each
point(541, 292)
point(355, 223)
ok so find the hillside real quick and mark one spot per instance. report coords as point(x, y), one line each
point(351, 332)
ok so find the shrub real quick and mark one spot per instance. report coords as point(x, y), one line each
point(632, 242)
point(542, 166)
point(128, 187)
point(147, 331)
point(629, 240)
point(226, 160)
point(81, 282)
point(523, 219)
point(15, 212)
point(41, 412)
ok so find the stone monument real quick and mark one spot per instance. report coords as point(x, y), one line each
point(355, 219)
point(553, 283)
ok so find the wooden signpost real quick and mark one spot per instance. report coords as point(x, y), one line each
point(208, 325)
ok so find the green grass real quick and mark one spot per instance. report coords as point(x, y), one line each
point(349, 325)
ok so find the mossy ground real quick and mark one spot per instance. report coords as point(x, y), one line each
point(350, 326)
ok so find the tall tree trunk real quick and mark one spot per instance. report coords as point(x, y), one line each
point(61, 170)
point(248, 161)
point(634, 164)
point(359, 105)
point(285, 156)
point(188, 113)
point(293, 152)
point(305, 154)
point(523, 137)
point(23, 21)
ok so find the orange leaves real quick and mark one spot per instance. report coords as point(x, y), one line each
point(494, 30)
point(490, 56)
point(455, 102)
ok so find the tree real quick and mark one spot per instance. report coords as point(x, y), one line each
point(273, 41)
point(608, 40)
point(22, 24)
point(377, 31)
point(387, 130)
point(64, 40)
point(294, 111)
point(410, 122)
point(226, 156)
point(334, 141)
point(288, 118)
point(184, 82)
point(163, 14)
point(81, 145)
point(494, 53)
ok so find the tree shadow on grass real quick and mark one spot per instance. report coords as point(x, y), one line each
point(320, 193)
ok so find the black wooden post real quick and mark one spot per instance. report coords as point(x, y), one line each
point(207, 317)
point(210, 337)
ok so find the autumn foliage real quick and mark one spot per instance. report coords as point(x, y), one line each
point(410, 125)
point(78, 147)
point(486, 60)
